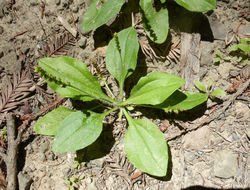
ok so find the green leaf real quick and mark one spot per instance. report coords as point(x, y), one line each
point(218, 92)
point(209, 84)
point(244, 47)
point(78, 131)
point(233, 47)
point(48, 124)
point(245, 62)
point(200, 86)
point(218, 53)
point(99, 13)
point(146, 147)
point(121, 56)
point(154, 22)
point(70, 77)
point(163, 1)
point(180, 101)
point(197, 5)
point(154, 88)
point(217, 59)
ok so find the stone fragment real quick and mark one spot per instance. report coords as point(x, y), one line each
point(225, 164)
point(33, 2)
point(219, 30)
point(82, 42)
point(197, 140)
point(57, 2)
point(24, 181)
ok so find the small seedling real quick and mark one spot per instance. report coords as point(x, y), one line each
point(242, 50)
point(144, 143)
point(72, 182)
point(208, 90)
point(219, 57)
point(3, 133)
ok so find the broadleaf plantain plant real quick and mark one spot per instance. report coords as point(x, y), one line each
point(144, 143)
point(155, 22)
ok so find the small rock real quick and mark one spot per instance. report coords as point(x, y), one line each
point(66, 172)
point(44, 147)
point(189, 156)
point(92, 186)
point(81, 2)
point(197, 140)
point(1, 30)
point(82, 42)
point(24, 181)
point(43, 157)
point(98, 162)
point(75, 9)
point(28, 169)
point(218, 29)
point(57, 2)
point(225, 164)
point(235, 136)
point(207, 49)
point(51, 157)
point(89, 165)
point(221, 116)
point(33, 2)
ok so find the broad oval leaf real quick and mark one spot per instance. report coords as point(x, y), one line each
point(99, 13)
point(154, 88)
point(197, 5)
point(180, 101)
point(121, 56)
point(70, 77)
point(48, 124)
point(146, 147)
point(218, 92)
point(155, 22)
point(77, 131)
point(200, 86)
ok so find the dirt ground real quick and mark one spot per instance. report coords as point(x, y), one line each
point(208, 150)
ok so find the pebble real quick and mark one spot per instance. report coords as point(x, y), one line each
point(66, 172)
point(24, 181)
point(57, 2)
point(222, 115)
point(92, 186)
point(33, 2)
point(75, 9)
point(98, 162)
point(42, 158)
point(82, 42)
point(81, 2)
point(235, 136)
point(1, 30)
point(44, 147)
point(225, 164)
point(189, 156)
point(218, 29)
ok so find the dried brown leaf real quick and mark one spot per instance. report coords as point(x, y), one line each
point(57, 46)
point(15, 91)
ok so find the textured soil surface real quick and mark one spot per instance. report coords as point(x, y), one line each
point(209, 146)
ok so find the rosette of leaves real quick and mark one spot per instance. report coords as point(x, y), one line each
point(144, 143)
point(155, 22)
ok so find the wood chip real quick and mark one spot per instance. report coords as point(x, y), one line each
point(67, 26)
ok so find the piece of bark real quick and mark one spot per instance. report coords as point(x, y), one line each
point(11, 153)
point(190, 59)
